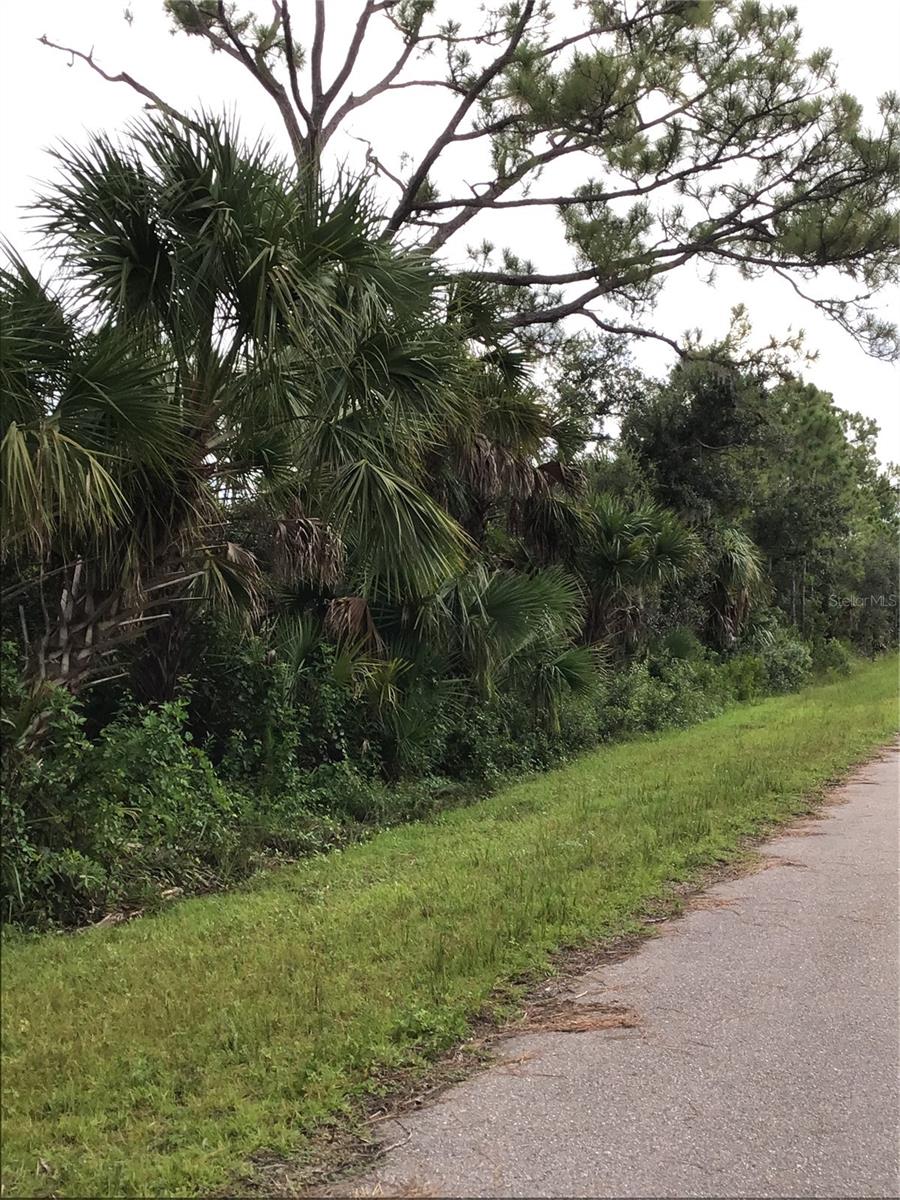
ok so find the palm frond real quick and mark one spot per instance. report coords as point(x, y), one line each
point(553, 670)
point(739, 565)
point(349, 619)
point(227, 579)
point(409, 545)
point(295, 638)
point(307, 548)
point(54, 489)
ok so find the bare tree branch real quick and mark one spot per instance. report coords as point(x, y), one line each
point(356, 42)
point(352, 102)
point(490, 72)
point(373, 159)
point(264, 76)
point(316, 60)
point(123, 77)
point(637, 332)
point(285, 13)
point(448, 228)
point(548, 316)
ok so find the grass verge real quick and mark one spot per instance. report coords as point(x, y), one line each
point(152, 1059)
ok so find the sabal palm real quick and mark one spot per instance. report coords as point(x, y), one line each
point(487, 626)
point(86, 422)
point(489, 460)
point(95, 467)
point(291, 355)
point(630, 554)
point(739, 581)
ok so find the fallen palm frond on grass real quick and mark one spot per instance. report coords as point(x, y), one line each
point(155, 1058)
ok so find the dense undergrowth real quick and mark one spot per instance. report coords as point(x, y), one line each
point(139, 813)
point(152, 1059)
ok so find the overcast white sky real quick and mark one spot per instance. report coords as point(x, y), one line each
point(43, 99)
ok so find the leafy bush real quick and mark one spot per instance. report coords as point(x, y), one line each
point(683, 643)
point(242, 709)
point(412, 737)
point(831, 656)
point(635, 701)
point(91, 825)
point(481, 744)
point(787, 662)
point(292, 825)
point(49, 831)
point(744, 675)
point(113, 823)
point(660, 692)
point(167, 810)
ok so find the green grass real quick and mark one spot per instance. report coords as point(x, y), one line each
point(153, 1059)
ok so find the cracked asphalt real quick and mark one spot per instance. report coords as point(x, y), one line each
point(764, 1063)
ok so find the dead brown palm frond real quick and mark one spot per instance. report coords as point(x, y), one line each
point(519, 478)
point(477, 465)
point(349, 618)
point(569, 478)
point(493, 471)
point(307, 548)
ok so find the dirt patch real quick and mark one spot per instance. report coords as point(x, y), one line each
point(567, 1016)
point(704, 903)
point(775, 860)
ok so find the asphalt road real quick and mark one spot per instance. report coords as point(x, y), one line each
point(764, 1060)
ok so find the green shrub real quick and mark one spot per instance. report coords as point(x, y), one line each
point(490, 739)
point(242, 709)
point(636, 701)
point(744, 675)
point(49, 830)
point(482, 744)
point(830, 656)
point(342, 789)
point(682, 643)
point(88, 826)
point(787, 662)
point(661, 692)
point(412, 736)
point(92, 826)
point(171, 813)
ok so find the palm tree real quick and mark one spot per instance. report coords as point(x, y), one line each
point(487, 462)
point(631, 553)
point(739, 581)
point(495, 629)
point(276, 349)
point(94, 461)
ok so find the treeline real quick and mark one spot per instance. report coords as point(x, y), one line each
point(300, 538)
